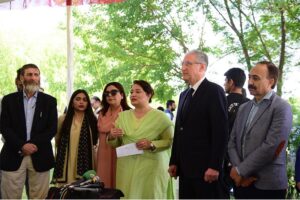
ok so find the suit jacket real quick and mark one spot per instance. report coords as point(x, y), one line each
point(266, 139)
point(201, 137)
point(297, 168)
point(13, 129)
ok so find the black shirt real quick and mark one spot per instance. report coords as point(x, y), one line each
point(234, 101)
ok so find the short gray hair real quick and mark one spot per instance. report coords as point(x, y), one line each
point(200, 56)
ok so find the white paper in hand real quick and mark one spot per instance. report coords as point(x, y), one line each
point(128, 150)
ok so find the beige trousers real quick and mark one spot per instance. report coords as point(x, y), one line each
point(12, 183)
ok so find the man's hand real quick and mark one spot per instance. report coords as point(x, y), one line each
point(29, 149)
point(211, 175)
point(173, 171)
point(235, 176)
point(246, 182)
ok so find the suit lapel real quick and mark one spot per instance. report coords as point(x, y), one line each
point(37, 112)
point(181, 102)
point(260, 112)
point(243, 120)
point(197, 95)
point(203, 85)
point(20, 110)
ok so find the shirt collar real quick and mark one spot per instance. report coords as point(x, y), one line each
point(196, 85)
point(266, 97)
point(35, 94)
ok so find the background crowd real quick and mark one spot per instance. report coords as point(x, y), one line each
point(217, 144)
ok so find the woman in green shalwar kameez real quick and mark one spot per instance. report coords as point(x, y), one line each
point(143, 176)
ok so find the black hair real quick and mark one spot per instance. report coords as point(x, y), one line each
point(146, 87)
point(169, 103)
point(104, 102)
point(237, 75)
point(91, 119)
point(96, 98)
point(18, 82)
point(160, 108)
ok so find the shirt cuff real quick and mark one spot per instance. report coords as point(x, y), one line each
point(238, 171)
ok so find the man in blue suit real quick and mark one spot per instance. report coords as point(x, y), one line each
point(259, 138)
point(28, 123)
point(201, 132)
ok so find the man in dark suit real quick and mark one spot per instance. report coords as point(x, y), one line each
point(28, 123)
point(259, 138)
point(201, 132)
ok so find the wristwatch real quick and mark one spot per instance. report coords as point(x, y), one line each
point(152, 147)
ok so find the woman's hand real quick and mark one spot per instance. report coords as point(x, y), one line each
point(143, 144)
point(115, 132)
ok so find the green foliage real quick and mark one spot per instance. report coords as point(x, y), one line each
point(8, 65)
point(294, 139)
point(257, 30)
point(291, 191)
point(293, 144)
point(135, 40)
point(21, 46)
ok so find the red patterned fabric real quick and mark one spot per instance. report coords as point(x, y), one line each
point(20, 4)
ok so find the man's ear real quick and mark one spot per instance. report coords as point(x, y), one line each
point(272, 82)
point(230, 82)
point(203, 67)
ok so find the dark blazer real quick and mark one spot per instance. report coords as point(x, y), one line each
point(297, 168)
point(201, 138)
point(13, 129)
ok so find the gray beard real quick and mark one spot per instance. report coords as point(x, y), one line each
point(32, 88)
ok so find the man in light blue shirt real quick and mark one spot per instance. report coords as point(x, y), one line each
point(259, 138)
point(170, 108)
point(28, 123)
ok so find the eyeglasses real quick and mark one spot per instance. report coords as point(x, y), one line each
point(188, 63)
point(111, 93)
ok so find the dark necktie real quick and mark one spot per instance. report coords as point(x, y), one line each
point(187, 102)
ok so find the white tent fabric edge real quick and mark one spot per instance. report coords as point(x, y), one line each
point(70, 54)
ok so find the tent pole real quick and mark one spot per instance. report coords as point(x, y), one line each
point(69, 53)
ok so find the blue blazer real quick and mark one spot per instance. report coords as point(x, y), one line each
point(13, 129)
point(201, 138)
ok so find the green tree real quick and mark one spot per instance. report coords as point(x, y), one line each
point(293, 144)
point(257, 30)
point(48, 55)
point(136, 39)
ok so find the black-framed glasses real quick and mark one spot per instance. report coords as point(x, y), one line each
point(188, 63)
point(111, 93)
